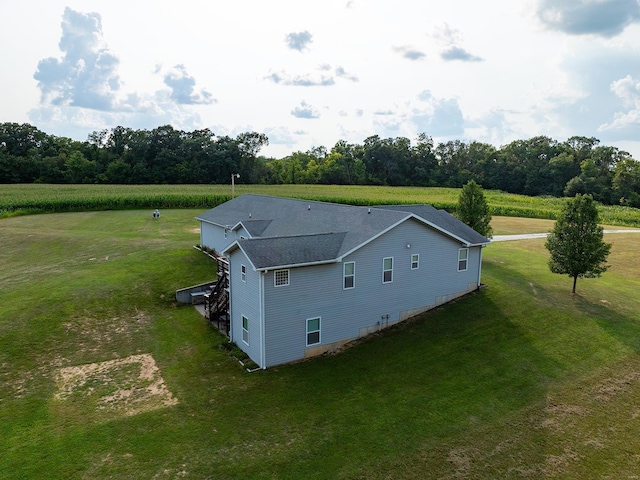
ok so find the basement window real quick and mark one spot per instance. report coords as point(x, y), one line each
point(245, 330)
point(313, 331)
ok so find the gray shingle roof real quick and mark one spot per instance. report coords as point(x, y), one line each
point(289, 231)
point(289, 251)
point(444, 220)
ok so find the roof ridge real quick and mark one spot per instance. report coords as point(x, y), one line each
point(295, 236)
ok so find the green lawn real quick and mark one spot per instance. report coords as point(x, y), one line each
point(519, 380)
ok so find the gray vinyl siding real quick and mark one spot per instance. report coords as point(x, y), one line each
point(312, 292)
point(317, 291)
point(212, 236)
point(241, 232)
point(245, 301)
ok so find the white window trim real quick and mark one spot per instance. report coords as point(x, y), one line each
point(417, 262)
point(384, 271)
point(245, 331)
point(275, 276)
point(344, 275)
point(243, 273)
point(307, 332)
point(465, 260)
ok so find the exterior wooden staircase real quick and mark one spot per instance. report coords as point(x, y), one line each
point(217, 301)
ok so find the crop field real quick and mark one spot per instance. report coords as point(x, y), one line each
point(103, 375)
point(37, 198)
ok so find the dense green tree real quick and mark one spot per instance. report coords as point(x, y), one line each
point(597, 173)
point(388, 161)
point(117, 172)
point(626, 182)
point(527, 164)
point(576, 243)
point(350, 160)
point(536, 166)
point(249, 145)
point(77, 169)
point(19, 139)
point(454, 164)
point(424, 162)
point(473, 209)
point(483, 163)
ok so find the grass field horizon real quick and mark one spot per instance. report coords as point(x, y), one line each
point(22, 199)
point(103, 375)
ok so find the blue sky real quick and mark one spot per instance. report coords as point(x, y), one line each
point(311, 73)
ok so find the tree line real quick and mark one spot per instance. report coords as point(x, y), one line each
point(164, 155)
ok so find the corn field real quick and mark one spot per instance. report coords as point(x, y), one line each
point(47, 198)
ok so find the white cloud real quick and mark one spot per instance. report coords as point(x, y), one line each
point(305, 80)
point(410, 53)
point(86, 75)
point(451, 38)
point(281, 136)
point(628, 90)
point(606, 96)
point(298, 40)
point(325, 78)
point(438, 117)
point(182, 87)
point(82, 90)
point(606, 18)
point(457, 53)
point(365, 68)
point(304, 110)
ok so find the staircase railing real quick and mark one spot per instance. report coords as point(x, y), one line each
point(218, 300)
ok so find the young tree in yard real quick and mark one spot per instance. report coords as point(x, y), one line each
point(473, 209)
point(575, 244)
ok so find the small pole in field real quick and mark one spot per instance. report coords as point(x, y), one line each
point(233, 183)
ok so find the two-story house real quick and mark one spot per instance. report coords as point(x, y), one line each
point(306, 277)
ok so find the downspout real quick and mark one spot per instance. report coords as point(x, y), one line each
point(263, 353)
point(480, 266)
point(230, 301)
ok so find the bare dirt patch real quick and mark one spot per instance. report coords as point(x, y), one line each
point(93, 335)
point(121, 387)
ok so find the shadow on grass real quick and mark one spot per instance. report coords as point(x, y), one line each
point(623, 328)
point(436, 377)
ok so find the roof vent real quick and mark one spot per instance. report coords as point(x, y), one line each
point(309, 207)
point(249, 215)
point(369, 211)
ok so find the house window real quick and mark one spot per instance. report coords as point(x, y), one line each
point(245, 330)
point(313, 331)
point(349, 275)
point(387, 270)
point(415, 261)
point(281, 278)
point(243, 273)
point(463, 257)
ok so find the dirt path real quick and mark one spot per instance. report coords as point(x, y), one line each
point(529, 236)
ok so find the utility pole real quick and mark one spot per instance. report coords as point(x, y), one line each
point(233, 183)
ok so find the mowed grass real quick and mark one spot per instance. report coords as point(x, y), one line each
point(519, 380)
